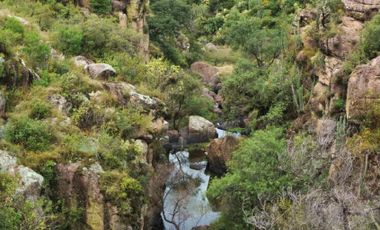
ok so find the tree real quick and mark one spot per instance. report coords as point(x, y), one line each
point(260, 38)
point(255, 176)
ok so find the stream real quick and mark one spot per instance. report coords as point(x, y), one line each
point(185, 204)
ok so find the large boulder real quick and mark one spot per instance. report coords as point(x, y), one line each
point(200, 130)
point(219, 152)
point(208, 73)
point(363, 92)
point(100, 71)
point(30, 182)
point(361, 9)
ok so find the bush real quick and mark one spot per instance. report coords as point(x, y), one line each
point(101, 6)
point(125, 192)
point(69, 39)
point(40, 110)
point(370, 40)
point(255, 177)
point(31, 134)
point(131, 69)
point(37, 52)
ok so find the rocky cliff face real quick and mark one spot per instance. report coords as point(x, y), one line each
point(336, 49)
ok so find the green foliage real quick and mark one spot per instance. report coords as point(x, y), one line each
point(251, 88)
point(101, 6)
point(14, 25)
point(170, 22)
point(10, 35)
point(40, 110)
point(128, 122)
point(370, 41)
point(31, 134)
point(130, 68)
point(260, 38)
point(37, 52)
point(182, 91)
point(69, 39)
point(94, 36)
point(368, 47)
point(255, 176)
point(123, 191)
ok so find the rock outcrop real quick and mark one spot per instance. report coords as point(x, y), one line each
point(79, 186)
point(342, 44)
point(30, 182)
point(361, 9)
point(200, 130)
point(100, 71)
point(363, 92)
point(219, 152)
point(126, 93)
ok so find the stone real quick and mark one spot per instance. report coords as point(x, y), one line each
point(60, 103)
point(160, 125)
point(30, 182)
point(81, 61)
point(120, 91)
point(126, 93)
point(363, 91)
point(100, 71)
point(208, 73)
point(200, 130)
point(118, 6)
point(361, 9)
point(219, 152)
point(210, 47)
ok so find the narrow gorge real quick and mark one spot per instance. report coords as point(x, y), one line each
point(189, 114)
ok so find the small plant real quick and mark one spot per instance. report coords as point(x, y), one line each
point(339, 104)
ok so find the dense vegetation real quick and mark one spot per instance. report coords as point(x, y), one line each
point(279, 174)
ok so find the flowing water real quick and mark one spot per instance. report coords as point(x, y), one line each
point(185, 201)
point(187, 206)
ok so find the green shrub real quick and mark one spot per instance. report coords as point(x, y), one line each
point(101, 6)
point(37, 52)
point(131, 69)
point(40, 110)
point(255, 176)
point(370, 38)
point(31, 134)
point(69, 39)
point(125, 192)
point(14, 25)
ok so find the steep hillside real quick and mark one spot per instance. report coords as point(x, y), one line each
point(181, 114)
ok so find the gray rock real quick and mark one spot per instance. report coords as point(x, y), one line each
point(200, 130)
point(30, 181)
point(81, 61)
point(100, 71)
point(60, 103)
